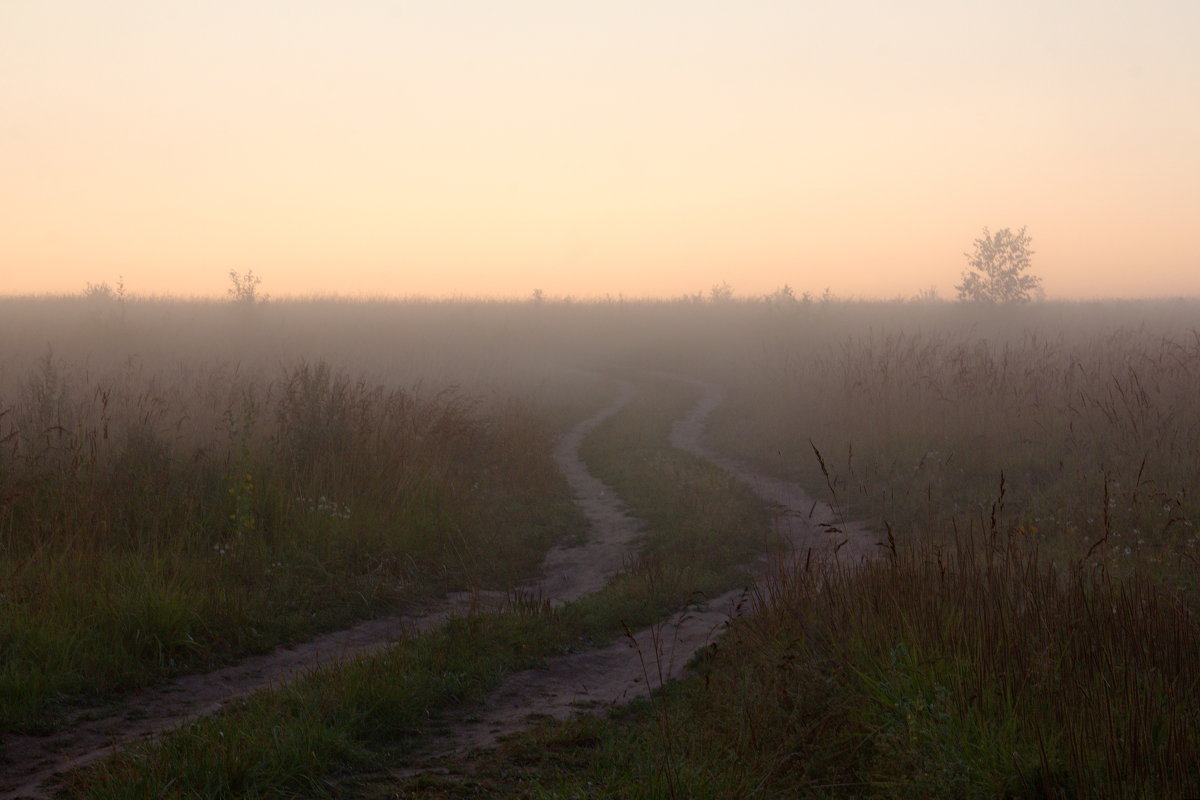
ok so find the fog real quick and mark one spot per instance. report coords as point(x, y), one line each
point(186, 483)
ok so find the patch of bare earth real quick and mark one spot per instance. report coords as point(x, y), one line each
point(572, 572)
point(29, 764)
point(599, 679)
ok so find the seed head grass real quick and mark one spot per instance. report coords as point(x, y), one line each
point(148, 530)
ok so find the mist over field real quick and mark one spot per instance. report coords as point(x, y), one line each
point(975, 525)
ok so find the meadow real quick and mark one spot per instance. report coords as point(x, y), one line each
point(184, 482)
point(175, 493)
point(1071, 425)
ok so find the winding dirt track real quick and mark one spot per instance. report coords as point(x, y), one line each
point(571, 572)
point(594, 679)
point(800, 522)
point(644, 661)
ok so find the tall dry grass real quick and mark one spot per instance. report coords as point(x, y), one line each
point(180, 481)
point(155, 520)
point(977, 671)
point(1087, 415)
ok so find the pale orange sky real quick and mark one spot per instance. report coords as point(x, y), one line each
point(479, 148)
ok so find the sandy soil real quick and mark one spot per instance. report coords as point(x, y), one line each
point(571, 572)
point(28, 764)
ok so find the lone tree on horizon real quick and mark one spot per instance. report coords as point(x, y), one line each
point(997, 270)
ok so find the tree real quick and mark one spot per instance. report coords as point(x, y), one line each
point(244, 290)
point(997, 270)
point(720, 293)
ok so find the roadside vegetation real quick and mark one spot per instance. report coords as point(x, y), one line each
point(969, 674)
point(1032, 629)
point(147, 530)
point(1031, 632)
point(1073, 426)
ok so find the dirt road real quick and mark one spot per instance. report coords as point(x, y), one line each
point(597, 678)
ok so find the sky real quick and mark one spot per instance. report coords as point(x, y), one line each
point(479, 148)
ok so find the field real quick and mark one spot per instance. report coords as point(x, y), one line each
point(790, 547)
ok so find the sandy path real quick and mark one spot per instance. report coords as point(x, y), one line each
point(800, 522)
point(587, 682)
point(571, 572)
point(28, 764)
point(636, 665)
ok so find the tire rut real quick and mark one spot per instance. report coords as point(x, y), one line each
point(802, 523)
point(633, 667)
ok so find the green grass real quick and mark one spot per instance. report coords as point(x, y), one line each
point(966, 674)
point(131, 550)
point(1093, 428)
point(1035, 640)
point(304, 738)
point(307, 737)
point(1035, 634)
